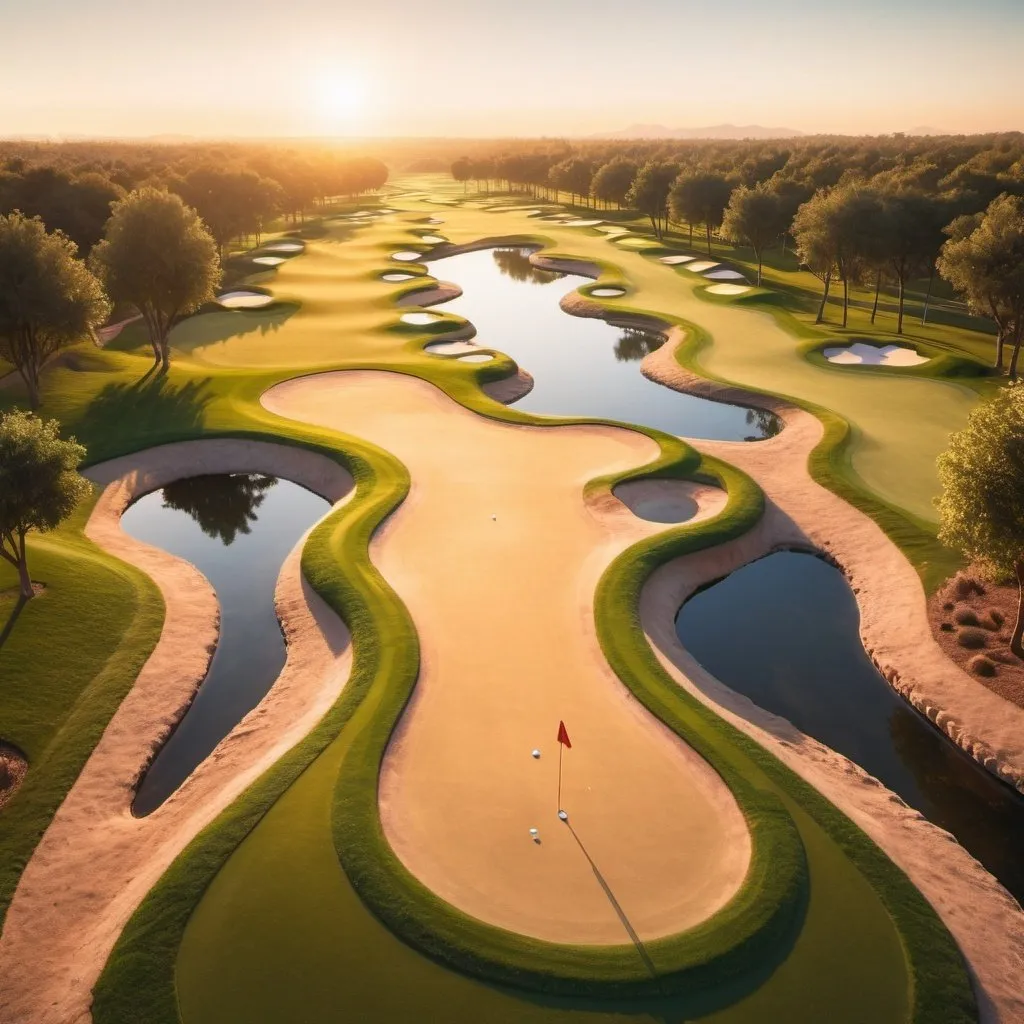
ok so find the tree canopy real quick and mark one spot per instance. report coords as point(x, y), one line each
point(39, 485)
point(48, 297)
point(650, 191)
point(158, 256)
point(700, 197)
point(981, 507)
point(756, 216)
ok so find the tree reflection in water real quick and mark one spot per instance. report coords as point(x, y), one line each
point(633, 345)
point(767, 423)
point(223, 504)
point(515, 263)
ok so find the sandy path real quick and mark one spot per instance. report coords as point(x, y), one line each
point(96, 862)
point(985, 920)
point(504, 611)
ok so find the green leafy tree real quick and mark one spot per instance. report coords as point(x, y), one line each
point(650, 191)
point(700, 197)
point(983, 259)
point(612, 181)
point(462, 170)
point(39, 485)
point(48, 297)
point(158, 256)
point(981, 507)
point(755, 217)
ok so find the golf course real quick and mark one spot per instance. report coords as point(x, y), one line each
point(353, 689)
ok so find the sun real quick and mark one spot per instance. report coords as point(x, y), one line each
point(341, 98)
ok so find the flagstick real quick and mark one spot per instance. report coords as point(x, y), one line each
point(561, 747)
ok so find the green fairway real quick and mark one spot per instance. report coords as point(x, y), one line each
point(278, 932)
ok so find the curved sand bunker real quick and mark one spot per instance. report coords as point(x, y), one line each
point(700, 266)
point(269, 261)
point(608, 293)
point(859, 354)
point(451, 348)
point(406, 255)
point(675, 261)
point(725, 275)
point(284, 246)
point(480, 357)
point(96, 862)
point(419, 319)
point(245, 300)
point(671, 501)
point(397, 277)
point(505, 655)
point(433, 239)
point(728, 289)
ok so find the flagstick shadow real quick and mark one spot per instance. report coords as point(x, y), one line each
point(616, 906)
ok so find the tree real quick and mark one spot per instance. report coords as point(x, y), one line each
point(158, 256)
point(48, 298)
point(755, 217)
point(650, 191)
point(223, 504)
point(573, 176)
point(612, 181)
point(701, 198)
point(462, 170)
point(39, 485)
point(983, 259)
point(981, 507)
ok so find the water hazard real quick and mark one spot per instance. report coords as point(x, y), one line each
point(237, 529)
point(582, 367)
point(801, 657)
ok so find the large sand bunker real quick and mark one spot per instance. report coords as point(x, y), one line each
point(725, 275)
point(860, 353)
point(504, 657)
point(245, 300)
point(728, 289)
point(670, 501)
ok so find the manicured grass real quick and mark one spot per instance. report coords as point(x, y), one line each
point(279, 933)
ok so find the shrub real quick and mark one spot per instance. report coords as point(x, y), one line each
point(997, 617)
point(948, 606)
point(946, 627)
point(971, 637)
point(965, 586)
point(982, 666)
point(966, 617)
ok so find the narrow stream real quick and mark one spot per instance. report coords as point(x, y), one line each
point(784, 632)
point(581, 366)
point(237, 529)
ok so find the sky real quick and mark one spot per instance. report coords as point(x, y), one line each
point(250, 68)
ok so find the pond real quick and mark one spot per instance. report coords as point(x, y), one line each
point(581, 366)
point(237, 529)
point(801, 657)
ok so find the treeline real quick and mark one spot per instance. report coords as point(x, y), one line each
point(236, 190)
point(872, 211)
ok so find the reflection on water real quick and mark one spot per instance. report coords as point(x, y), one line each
point(765, 423)
point(237, 529)
point(515, 263)
point(801, 657)
point(223, 504)
point(580, 365)
point(634, 345)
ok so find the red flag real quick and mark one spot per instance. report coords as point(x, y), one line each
point(563, 736)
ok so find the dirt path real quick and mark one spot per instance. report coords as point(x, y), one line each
point(496, 556)
point(96, 862)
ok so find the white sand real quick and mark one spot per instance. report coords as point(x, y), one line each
point(725, 275)
point(419, 319)
point(581, 223)
point(406, 255)
point(96, 862)
point(700, 266)
point(608, 293)
point(433, 239)
point(397, 277)
point(728, 289)
point(450, 348)
point(269, 261)
point(674, 261)
point(510, 497)
point(244, 300)
point(284, 246)
point(885, 355)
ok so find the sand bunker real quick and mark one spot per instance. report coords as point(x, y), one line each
point(700, 266)
point(725, 275)
point(406, 255)
point(434, 239)
point(435, 220)
point(419, 319)
point(244, 300)
point(670, 501)
point(886, 355)
point(450, 348)
point(582, 223)
point(269, 261)
point(284, 247)
point(658, 821)
point(674, 261)
point(728, 289)
point(608, 293)
point(397, 277)
point(483, 357)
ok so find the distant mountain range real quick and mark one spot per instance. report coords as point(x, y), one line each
point(716, 131)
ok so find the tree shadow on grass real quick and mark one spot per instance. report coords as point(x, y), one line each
point(222, 326)
point(153, 409)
